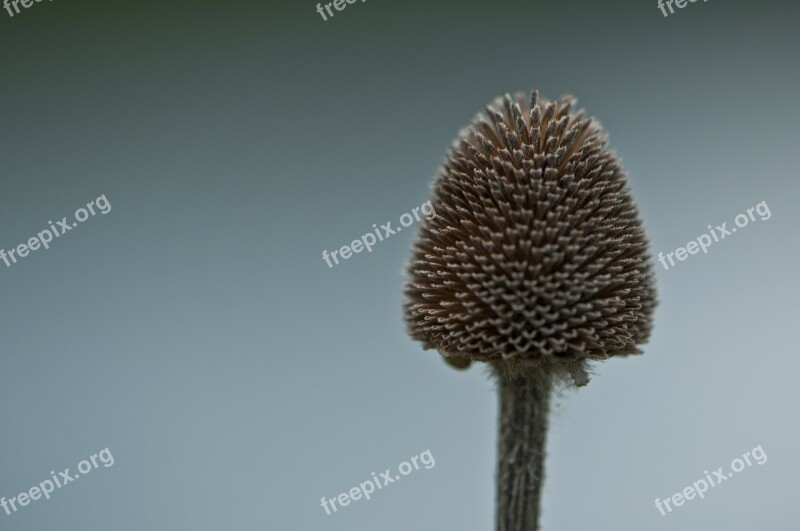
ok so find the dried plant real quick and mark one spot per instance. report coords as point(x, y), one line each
point(535, 263)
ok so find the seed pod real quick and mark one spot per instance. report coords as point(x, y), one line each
point(536, 255)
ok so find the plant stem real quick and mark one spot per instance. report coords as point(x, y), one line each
point(524, 405)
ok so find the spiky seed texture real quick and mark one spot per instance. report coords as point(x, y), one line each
point(536, 253)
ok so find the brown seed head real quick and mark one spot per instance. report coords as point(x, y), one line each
point(536, 254)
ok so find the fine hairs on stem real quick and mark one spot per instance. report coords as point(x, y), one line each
point(536, 263)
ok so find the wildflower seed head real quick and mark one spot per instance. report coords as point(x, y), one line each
point(537, 255)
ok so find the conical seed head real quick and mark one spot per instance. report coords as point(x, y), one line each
point(536, 251)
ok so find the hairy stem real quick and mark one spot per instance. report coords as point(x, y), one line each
point(524, 404)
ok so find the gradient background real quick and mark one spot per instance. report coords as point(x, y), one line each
point(236, 379)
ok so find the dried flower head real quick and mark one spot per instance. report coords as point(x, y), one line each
point(537, 255)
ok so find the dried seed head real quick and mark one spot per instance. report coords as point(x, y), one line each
point(536, 254)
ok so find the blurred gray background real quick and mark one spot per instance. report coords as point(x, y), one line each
point(196, 332)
